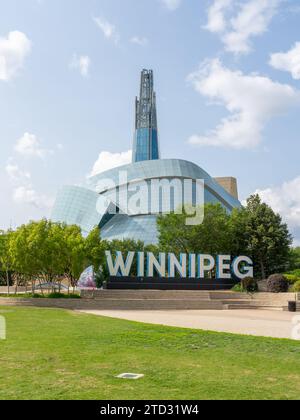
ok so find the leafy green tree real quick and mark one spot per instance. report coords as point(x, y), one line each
point(46, 242)
point(152, 248)
point(254, 230)
point(260, 233)
point(294, 261)
point(126, 245)
point(73, 253)
point(5, 258)
point(37, 251)
point(239, 237)
point(95, 249)
point(20, 254)
point(211, 237)
point(174, 234)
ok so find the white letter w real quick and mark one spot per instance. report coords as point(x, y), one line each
point(119, 267)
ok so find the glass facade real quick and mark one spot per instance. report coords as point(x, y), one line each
point(139, 228)
point(76, 206)
point(109, 208)
point(146, 132)
point(168, 169)
point(146, 145)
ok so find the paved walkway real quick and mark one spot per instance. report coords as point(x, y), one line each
point(275, 324)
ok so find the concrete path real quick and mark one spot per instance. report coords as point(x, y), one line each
point(275, 324)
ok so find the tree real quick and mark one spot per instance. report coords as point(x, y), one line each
point(20, 254)
point(50, 252)
point(38, 251)
point(211, 237)
point(260, 232)
point(294, 263)
point(95, 249)
point(73, 253)
point(239, 236)
point(254, 230)
point(5, 258)
point(46, 242)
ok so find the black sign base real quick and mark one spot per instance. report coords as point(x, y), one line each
point(157, 283)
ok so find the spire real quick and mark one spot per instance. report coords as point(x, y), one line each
point(146, 132)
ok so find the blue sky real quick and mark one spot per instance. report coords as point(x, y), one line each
point(227, 78)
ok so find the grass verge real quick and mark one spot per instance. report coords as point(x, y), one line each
point(57, 354)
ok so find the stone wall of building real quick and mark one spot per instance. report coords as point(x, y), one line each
point(229, 184)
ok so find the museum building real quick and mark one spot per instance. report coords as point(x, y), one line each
point(103, 199)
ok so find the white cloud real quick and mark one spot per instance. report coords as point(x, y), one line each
point(82, 63)
point(13, 51)
point(27, 195)
point(23, 191)
point(289, 61)
point(252, 101)
point(171, 4)
point(245, 21)
point(142, 41)
point(216, 18)
point(107, 161)
point(285, 200)
point(15, 174)
point(29, 146)
point(108, 29)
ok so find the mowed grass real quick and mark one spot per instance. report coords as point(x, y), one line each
point(57, 354)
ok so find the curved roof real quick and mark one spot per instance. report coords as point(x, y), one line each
point(164, 168)
point(89, 205)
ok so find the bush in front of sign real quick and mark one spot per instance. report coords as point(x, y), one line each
point(277, 283)
point(249, 284)
point(237, 288)
point(101, 277)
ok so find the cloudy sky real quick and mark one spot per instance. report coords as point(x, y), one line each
point(227, 76)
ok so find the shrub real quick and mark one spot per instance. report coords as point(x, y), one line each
point(296, 273)
point(100, 279)
point(292, 278)
point(237, 288)
point(249, 284)
point(296, 287)
point(62, 296)
point(277, 283)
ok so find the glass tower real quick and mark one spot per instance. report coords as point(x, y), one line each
point(146, 132)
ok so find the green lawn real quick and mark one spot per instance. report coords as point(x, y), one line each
point(56, 354)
